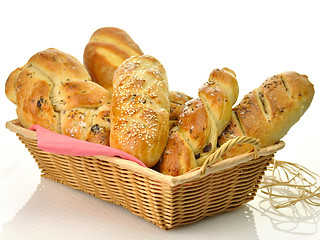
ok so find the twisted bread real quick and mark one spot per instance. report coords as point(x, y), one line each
point(54, 90)
point(107, 48)
point(140, 109)
point(201, 122)
point(269, 111)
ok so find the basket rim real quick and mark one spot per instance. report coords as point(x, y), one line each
point(15, 126)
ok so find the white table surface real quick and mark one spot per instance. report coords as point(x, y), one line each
point(190, 39)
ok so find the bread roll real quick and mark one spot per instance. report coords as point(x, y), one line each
point(55, 91)
point(140, 109)
point(201, 122)
point(269, 111)
point(107, 48)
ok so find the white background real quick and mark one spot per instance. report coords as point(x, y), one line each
point(190, 38)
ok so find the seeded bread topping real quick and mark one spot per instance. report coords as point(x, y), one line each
point(140, 109)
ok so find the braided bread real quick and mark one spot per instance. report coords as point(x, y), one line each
point(107, 48)
point(201, 122)
point(54, 90)
point(269, 111)
point(140, 109)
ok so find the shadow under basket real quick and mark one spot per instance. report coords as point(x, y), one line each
point(163, 200)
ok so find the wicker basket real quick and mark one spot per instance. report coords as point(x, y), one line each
point(163, 200)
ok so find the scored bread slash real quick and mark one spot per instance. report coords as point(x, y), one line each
point(269, 111)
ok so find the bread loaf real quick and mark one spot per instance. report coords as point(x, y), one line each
point(140, 109)
point(269, 111)
point(107, 48)
point(55, 91)
point(201, 122)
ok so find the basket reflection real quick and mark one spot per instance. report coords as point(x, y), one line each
point(56, 211)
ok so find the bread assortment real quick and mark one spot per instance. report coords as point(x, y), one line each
point(140, 109)
point(120, 97)
point(201, 122)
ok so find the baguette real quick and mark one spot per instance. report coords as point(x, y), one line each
point(140, 109)
point(269, 111)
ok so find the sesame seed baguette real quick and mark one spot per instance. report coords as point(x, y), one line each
point(200, 123)
point(140, 109)
point(269, 111)
point(54, 90)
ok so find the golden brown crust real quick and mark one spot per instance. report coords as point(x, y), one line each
point(99, 132)
point(116, 36)
point(54, 90)
point(177, 100)
point(74, 122)
point(140, 109)
point(75, 94)
point(195, 125)
point(269, 111)
point(58, 66)
point(107, 49)
point(232, 131)
point(226, 80)
point(177, 162)
point(218, 104)
point(34, 105)
point(10, 86)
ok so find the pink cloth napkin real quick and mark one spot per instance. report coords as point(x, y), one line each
point(61, 144)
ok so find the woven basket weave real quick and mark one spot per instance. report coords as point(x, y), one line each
point(165, 201)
